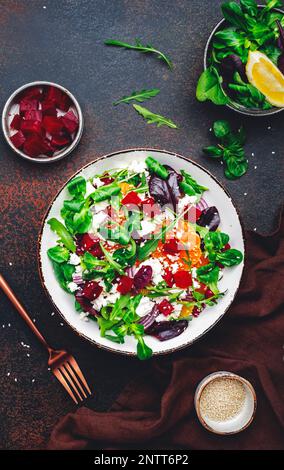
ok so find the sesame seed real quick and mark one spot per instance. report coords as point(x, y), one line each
point(15, 379)
point(222, 399)
point(269, 127)
point(10, 264)
point(245, 194)
point(3, 326)
point(61, 324)
point(252, 154)
point(28, 355)
point(273, 153)
point(52, 313)
point(33, 380)
point(254, 229)
point(255, 167)
point(8, 374)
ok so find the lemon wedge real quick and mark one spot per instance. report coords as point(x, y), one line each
point(266, 77)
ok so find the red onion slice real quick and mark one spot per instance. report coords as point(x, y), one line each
point(202, 204)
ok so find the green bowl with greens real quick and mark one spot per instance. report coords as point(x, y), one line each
point(245, 27)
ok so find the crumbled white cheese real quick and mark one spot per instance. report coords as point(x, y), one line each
point(186, 201)
point(157, 267)
point(99, 219)
point(89, 189)
point(145, 306)
point(146, 228)
point(137, 167)
point(100, 206)
point(97, 182)
point(83, 316)
point(104, 299)
point(78, 269)
point(74, 259)
point(72, 286)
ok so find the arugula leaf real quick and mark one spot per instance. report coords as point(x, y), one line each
point(119, 305)
point(209, 87)
point(139, 96)
point(77, 186)
point(190, 186)
point(62, 232)
point(111, 261)
point(126, 257)
point(59, 254)
point(91, 262)
point(230, 149)
point(156, 167)
point(138, 46)
point(153, 118)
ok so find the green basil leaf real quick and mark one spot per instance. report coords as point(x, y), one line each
point(231, 257)
point(77, 186)
point(143, 351)
point(221, 129)
point(62, 232)
point(236, 168)
point(213, 151)
point(155, 167)
point(209, 87)
point(82, 220)
point(105, 192)
point(249, 6)
point(215, 241)
point(233, 14)
point(73, 205)
point(59, 254)
point(190, 185)
point(209, 275)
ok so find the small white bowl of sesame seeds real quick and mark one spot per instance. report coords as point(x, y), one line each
point(225, 403)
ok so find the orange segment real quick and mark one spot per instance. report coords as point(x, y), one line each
point(125, 187)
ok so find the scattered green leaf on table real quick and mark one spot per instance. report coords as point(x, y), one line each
point(138, 46)
point(139, 96)
point(153, 118)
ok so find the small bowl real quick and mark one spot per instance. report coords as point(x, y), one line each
point(8, 113)
point(233, 105)
point(239, 422)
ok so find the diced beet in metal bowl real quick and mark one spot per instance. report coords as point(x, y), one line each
point(42, 122)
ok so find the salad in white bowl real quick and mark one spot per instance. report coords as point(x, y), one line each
point(140, 249)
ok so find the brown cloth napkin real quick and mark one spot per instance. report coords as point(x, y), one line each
point(157, 411)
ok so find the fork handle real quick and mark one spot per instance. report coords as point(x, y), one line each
point(22, 311)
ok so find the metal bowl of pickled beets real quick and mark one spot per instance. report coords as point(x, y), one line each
point(42, 122)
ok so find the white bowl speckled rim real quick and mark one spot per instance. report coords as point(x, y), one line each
point(230, 223)
point(240, 422)
point(6, 118)
point(233, 105)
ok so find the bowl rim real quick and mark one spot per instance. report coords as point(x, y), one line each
point(223, 374)
point(61, 154)
point(242, 109)
point(39, 240)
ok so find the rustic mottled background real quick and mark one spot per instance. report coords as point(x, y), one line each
point(62, 41)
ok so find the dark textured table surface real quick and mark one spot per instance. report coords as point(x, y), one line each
point(62, 41)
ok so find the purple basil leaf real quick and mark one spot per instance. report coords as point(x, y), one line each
point(142, 277)
point(231, 64)
point(149, 319)
point(86, 304)
point(210, 218)
point(281, 36)
point(166, 330)
point(166, 191)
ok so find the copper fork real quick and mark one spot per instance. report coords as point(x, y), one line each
point(63, 365)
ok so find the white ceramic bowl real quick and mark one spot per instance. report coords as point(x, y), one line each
point(234, 425)
point(230, 224)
